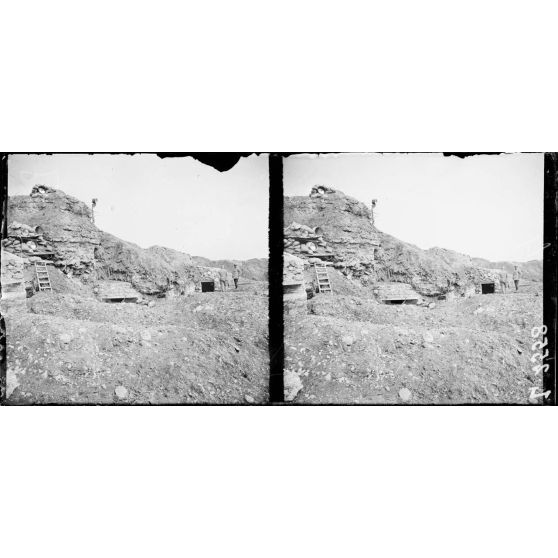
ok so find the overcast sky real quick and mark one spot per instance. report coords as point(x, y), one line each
point(484, 206)
point(178, 202)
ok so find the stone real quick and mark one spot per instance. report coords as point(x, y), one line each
point(65, 338)
point(405, 394)
point(292, 385)
point(121, 392)
point(249, 399)
point(431, 305)
point(428, 337)
point(12, 382)
point(347, 340)
point(328, 378)
point(145, 335)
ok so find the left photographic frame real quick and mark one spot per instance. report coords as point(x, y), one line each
point(135, 279)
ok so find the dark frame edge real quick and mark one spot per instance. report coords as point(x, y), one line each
point(550, 270)
point(276, 326)
point(4, 202)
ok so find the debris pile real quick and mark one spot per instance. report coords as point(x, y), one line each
point(13, 279)
point(305, 241)
point(62, 222)
point(293, 269)
point(27, 242)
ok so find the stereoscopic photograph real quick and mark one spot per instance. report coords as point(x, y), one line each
point(414, 279)
point(135, 279)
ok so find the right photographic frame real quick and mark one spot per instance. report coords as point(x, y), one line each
point(419, 278)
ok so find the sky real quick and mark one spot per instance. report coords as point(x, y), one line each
point(178, 202)
point(486, 206)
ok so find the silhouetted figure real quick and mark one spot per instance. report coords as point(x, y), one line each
point(516, 276)
point(93, 205)
point(236, 275)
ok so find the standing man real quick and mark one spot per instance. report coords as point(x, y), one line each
point(516, 276)
point(236, 275)
point(372, 208)
point(223, 279)
point(504, 279)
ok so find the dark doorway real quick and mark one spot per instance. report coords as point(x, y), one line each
point(487, 288)
point(208, 286)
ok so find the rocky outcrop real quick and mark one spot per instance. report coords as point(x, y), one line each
point(62, 221)
point(343, 224)
point(152, 271)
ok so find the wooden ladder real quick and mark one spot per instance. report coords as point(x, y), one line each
point(43, 278)
point(322, 277)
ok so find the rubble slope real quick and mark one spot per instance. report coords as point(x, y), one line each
point(203, 348)
point(465, 351)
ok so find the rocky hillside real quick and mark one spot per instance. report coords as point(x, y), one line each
point(95, 339)
point(363, 253)
point(255, 269)
point(82, 250)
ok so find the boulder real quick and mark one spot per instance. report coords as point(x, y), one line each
point(292, 385)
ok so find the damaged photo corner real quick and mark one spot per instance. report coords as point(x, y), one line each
point(135, 279)
point(417, 278)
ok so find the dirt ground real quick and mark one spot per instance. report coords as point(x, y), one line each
point(201, 348)
point(350, 349)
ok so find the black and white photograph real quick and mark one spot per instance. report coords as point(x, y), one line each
point(414, 279)
point(135, 279)
point(250, 308)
